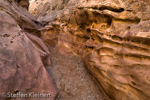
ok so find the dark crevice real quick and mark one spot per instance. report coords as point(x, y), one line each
point(118, 10)
point(11, 42)
point(88, 30)
point(10, 1)
point(19, 1)
point(86, 37)
point(133, 83)
point(90, 48)
point(109, 22)
point(93, 39)
point(129, 10)
point(112, 9)
point(109, 8)
point(128, 28)
point(15, 92)
point(135, 20)
point(115, 37)
point(18, 66)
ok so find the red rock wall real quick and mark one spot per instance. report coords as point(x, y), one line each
point(23, 56)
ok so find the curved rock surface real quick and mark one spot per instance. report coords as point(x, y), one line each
point(112, 38)
point(23, 56)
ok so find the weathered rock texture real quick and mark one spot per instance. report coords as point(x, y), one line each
point(72, 78)
point(112, 38)
point(23, 56)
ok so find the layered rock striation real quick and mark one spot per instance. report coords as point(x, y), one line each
point(112, 38)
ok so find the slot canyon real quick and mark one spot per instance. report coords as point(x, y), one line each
point(74, 49)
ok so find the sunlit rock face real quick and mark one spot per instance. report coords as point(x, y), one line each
point(23, 55)
point(112, 38)
point(147, 1)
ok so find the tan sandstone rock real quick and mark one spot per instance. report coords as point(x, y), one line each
point(112, 38)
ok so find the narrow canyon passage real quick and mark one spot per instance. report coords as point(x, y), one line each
point(42, 43)
point(72, 78)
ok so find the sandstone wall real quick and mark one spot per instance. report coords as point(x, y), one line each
point(23, 56)
point(112, 38)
